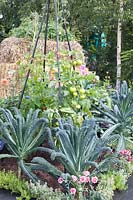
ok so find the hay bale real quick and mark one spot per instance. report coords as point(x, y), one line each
point(9, 80)
point(15, 49)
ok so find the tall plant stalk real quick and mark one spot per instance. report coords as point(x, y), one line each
point(119, 45)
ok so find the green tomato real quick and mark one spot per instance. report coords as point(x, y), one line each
point(75, 94)
point(72, 89)
point(82, 91)
point(82, 96)
point(74, 63)
point(79, 62)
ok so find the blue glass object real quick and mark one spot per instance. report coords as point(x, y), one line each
point(103, 40)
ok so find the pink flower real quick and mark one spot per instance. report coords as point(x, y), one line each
point(94, 179)
point(60, 180)
point(87, 179)
point(83, 70)
point(74, 178)
point(73, 191)
point(82, 179)
point(127, 152)
point(121, 152)
point(128, 158)
point(86, 173)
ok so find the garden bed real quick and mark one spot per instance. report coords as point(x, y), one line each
point(10, 164)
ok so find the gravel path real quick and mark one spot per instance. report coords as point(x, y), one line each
point(6, 195)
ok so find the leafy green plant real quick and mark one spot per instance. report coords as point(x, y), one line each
point(117, 178)
point(111, 181)
point(43, 192)
point(30, 26)
point(77, 148)
point(120, 114)
point(27, 190)
point(9, 181)
point(79, 89)
point(22, 135)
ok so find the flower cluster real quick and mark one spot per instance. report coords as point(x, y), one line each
point(83, 70)
point(127, 154)
point(83, 179)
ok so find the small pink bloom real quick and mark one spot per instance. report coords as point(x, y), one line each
point(73, 191)
point(121, 152)
point(86, 173)
point(74, 178)
point(87, 179)
point(83, 70)
point(127, 152)
point(94, 179)
point(60, 180)
point(82, 179)
point(128, 158)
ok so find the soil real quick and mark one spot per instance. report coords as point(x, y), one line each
point(10, 164)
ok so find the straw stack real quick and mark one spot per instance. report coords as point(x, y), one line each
point(12, 51)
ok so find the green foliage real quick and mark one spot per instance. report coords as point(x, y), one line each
point(79, 89)
point(127, 60)
point(117, 178)
point(77, 148)
point(22, 136)
point(30, 25)
point(9, 102)
point(27, 28)
point(14, 12)
point(111, 181)
point(9, 181)
point(27, 190)
point(120, 180)
point(103, 17)
point(120, 114)
point(43, 192)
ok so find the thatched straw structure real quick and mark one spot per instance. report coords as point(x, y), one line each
point(13, 50)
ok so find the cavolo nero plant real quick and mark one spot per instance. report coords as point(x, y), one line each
point(78, 149)
point(120, 114)
point(22, 135)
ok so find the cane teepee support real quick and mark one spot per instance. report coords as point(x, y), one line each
point(45, 19)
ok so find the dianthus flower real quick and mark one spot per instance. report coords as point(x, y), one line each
point(82, 179)
point(74, 178)
point(86, 173)
point(73, 191)
point(60, 180)
point(94, 179)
